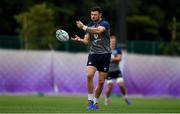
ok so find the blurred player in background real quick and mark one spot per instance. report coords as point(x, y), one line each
point(97, 34)
point(114, 72)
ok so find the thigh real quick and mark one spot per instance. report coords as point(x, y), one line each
point(90, 70)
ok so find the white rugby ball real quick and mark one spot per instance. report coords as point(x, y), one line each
point(62, 35)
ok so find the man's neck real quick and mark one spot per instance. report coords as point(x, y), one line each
point(98, 20)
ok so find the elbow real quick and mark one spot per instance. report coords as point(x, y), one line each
point(118, 59)
point(86, 43)
point(99, 31)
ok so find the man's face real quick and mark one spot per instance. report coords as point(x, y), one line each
point(95, 16)
point(112, 43)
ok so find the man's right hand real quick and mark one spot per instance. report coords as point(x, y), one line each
point(77, 38)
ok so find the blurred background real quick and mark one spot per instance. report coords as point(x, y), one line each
point(32, 60)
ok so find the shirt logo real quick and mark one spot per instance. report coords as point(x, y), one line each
point(95, 36)
point(97, 40)
point(105, 68)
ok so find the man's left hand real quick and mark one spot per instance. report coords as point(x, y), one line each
point(79, 24)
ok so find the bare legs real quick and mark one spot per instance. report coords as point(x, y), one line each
point(99, 87)
point(122, 89)
point(90, 75)
point(101, 79)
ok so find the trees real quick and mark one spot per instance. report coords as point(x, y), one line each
point(37, 27)
point(146, 18)
point(142, 28)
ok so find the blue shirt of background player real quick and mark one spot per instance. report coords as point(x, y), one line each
point(100, 43)
point(114, 66)
point(116, 51)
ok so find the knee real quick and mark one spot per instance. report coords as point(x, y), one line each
point(121, 84)
point(89, 76)
point(101, 82)
point(109, 86)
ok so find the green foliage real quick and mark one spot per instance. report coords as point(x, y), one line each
point(142, 20)
point(7, 10)
point(178, 31)
point(133, 6)
point(172, 48)
point(36, 22)
point(37, 27)
point(140, 25)
point(156, 13)
point(174, 27)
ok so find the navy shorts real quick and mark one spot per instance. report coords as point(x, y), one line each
point(100, 61)
point(114, 75)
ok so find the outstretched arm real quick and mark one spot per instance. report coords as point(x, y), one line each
point(85, 41)
point(97, 30)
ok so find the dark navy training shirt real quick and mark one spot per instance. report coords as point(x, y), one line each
point(100, 43)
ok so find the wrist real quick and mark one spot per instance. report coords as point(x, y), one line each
point(84, 27)
point(112, 56)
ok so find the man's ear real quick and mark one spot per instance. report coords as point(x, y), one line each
point(100, 14)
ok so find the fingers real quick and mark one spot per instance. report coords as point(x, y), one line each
point(77, 38)
point(72, 38)
point(79, 24)
point(77, 21)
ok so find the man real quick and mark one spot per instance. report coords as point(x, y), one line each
point(114, 72)
point(97, 35)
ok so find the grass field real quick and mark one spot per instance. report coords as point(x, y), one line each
point(76, 104)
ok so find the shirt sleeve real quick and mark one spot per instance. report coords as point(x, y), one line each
point(119, 51)
point(105, 24)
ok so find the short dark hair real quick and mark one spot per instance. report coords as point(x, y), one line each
point(96, 8)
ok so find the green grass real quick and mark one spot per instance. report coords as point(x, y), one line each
point(69, 104)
